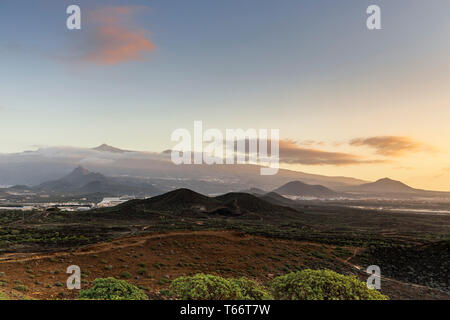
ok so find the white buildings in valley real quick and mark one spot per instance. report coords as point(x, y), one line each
point(111, 202)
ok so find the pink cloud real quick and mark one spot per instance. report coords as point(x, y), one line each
point(114, 41)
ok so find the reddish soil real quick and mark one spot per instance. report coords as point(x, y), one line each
point(151, 261)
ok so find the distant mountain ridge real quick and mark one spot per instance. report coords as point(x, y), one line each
point(82, 181)
point(78, 178)
point(48, 164)
point(383, 188)
point(389, 188)
point(386, 185)
point(45, 165)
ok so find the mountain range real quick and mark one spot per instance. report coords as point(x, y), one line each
point(384, 188)
point(391, 188)
point(36, 167)
point(110, 171)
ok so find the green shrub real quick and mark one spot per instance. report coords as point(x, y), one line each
point(112, 289)
point(204, 287)
point(142, 271)
point(3, 296)
point(125, 275)
point(321, 285)
point(21, 287)
point(163, 281)
point(250, 290)
point(210, 287)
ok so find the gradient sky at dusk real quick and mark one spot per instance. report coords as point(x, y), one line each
point(140, 69)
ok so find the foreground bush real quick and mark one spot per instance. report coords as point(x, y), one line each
point(250, 290)
point(3, 296)
point(113, 289)
point(210, 287)
point(321, 285)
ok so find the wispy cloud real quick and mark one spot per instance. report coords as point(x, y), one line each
point(114, 40)
point(443, 172)
point(292, 153)
point(392, 145)
point(310, 143)
point(404, 168)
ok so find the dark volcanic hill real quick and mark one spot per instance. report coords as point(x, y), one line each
point(275, 198)
point(255, 191)
point(189, 203)
point(175, 201)
point(298, 188)
point(244, 202)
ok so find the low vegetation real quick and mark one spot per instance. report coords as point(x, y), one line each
point(112, 289)
point(410, 248)
point(211, 287)
point(321, 285)
point(3, 296)
point(425, 264)
point(302, 285)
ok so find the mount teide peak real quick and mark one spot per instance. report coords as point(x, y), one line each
point(107, 148)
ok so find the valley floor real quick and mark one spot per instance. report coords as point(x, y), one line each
point(151, 261)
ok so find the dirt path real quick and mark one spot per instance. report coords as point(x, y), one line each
point(121, 243)
point(355, 252)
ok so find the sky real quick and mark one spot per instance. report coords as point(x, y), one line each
point(348, 101)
